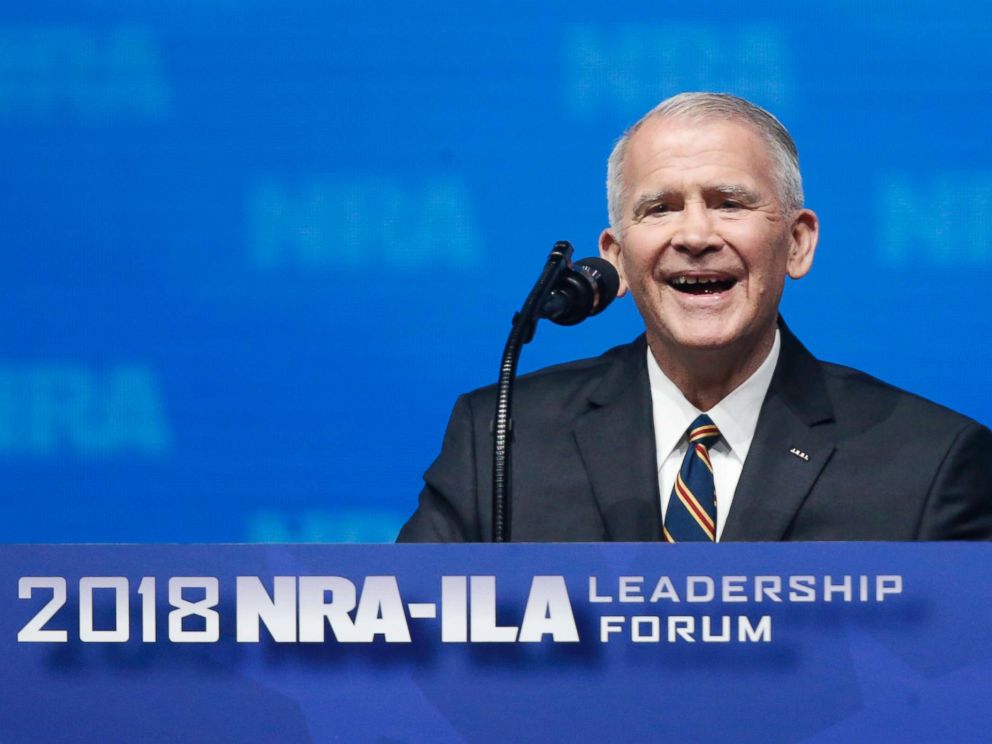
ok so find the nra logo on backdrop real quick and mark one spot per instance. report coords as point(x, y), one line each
point(324, 222)
point(86, 74)
point(935, 220)
point(623, 69)
point(50, 409)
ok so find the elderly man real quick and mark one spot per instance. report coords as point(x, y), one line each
point(717, 424)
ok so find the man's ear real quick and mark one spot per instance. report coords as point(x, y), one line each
point(802, 247)
point(611, 250)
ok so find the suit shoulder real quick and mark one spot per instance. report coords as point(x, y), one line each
point(561, 383)
point(857, 392)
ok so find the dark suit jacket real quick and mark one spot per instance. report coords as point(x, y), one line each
point(883, 464)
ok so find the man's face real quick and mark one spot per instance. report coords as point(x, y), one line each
point(706, 242)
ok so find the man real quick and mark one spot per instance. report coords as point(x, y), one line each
point(717, 424)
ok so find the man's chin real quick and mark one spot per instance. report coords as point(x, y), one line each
point(714, 342)
point(735, 335)
point(701, 337)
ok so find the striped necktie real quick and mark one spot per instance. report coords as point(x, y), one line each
point(691, 514)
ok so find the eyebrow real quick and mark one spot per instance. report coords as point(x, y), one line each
point(652, 198)
point(733, 190)
point(736, 191)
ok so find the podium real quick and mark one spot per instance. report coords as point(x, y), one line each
point(828, 642)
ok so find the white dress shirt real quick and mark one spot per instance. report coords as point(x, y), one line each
point(736, 416)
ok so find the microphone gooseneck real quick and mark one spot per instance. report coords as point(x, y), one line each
point(566, 294)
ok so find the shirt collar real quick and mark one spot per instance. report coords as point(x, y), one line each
point(736, 416)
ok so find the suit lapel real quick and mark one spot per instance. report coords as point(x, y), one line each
point(792, 443)
point(616, 441)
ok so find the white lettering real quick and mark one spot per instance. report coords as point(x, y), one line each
point(630, 588)
point(886, 585)
point(381, 611)
point(548, 612)
point(201, 608)
point(316, 612)
point(665, 589)
point(255, 607)
point(122, 627)
point(709, 636)
point(454, 609)
point(830, 588)
point(594, 595)
point(653, 634)
point(483, 613)
point(734, 588)
point(681, 626)
point(609, 625)
point(767, 586)
point(747, 633)
point(700, 589)
point(34, 630)
point(802, 588)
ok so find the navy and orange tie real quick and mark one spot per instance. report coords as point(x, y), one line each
point(691, 514)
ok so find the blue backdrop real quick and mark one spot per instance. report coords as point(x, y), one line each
point(253, 250)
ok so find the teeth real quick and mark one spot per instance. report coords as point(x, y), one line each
point(694, 280)
point(683, 280)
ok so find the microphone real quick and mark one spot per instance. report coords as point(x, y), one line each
point(567, 295)
point(583, 290)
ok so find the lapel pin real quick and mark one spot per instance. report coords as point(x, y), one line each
point(800, 454)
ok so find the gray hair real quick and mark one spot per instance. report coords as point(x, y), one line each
point(701, 106)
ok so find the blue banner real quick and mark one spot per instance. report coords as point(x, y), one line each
point(748, 643)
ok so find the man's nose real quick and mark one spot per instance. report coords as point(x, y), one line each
point(695, 232)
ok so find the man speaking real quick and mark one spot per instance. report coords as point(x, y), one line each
point(717, 424)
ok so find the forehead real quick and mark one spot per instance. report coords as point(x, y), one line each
point(685, 153)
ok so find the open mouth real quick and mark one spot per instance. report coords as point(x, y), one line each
point(701, 285)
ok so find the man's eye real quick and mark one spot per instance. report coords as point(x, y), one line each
point(658, 209)
point(730, 204)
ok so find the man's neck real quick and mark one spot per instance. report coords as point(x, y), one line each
point(707, 376)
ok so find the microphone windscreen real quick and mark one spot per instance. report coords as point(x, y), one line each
point(606, 278)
